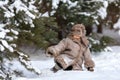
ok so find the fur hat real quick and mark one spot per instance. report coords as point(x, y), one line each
point(79, 29)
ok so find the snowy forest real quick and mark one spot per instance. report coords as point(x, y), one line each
point(37, 24)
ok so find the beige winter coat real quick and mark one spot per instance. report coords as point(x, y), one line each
point(73, 50)
point(69, 52)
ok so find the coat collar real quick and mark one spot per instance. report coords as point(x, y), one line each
point(82, 40)
point(77, 41)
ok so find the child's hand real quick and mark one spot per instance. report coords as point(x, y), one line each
point(49, 52)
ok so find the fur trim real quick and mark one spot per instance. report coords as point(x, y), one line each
point(85, 41)
point(89, 64)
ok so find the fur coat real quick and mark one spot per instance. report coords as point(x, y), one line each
point(72, 52)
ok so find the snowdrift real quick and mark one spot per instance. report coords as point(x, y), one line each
point(107, 68)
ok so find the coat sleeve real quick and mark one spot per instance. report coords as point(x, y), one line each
point(89, 63)
point(57, 49)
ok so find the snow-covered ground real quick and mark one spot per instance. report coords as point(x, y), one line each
point(107, 68)
point(107, 65)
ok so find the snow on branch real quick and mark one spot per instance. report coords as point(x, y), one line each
point(3, 3)
point(4, 38)
point(24, 59)
point(10, 10)
point(85, 13)
point(102, 12)
point(117, 25)
point(6, 45)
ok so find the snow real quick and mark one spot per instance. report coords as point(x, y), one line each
point(1, 48)
point(30, 14)
point(3, 3)
point(27, 62)
point(9, 38)
point(119, 32)
point(2, 34)
point(96, 21)
point(5, 44)
point(32, 7)
point(107, 63)
point(14, 8)
point(3, 31)
point(72, 4)
point(55, 3)
point(15, 32)
point(117, 25)
point(103, 10)
point(46, 14)
point(107, 68)
point(85, 13)
point(22, 7)
point(94, 41)
point(9, 14)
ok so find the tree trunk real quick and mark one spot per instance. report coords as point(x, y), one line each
point(99, 30)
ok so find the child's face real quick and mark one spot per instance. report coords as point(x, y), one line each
point(77, 33)
point(76, 37)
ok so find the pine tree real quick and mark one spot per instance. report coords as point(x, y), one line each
point(113, 10)
point(77, 11)
point(19, 20)
point(87, 12)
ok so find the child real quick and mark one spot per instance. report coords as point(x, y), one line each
point(72, 51)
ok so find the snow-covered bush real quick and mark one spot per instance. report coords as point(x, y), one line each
point(7, 47)
point(99, 43)
point(13, 13)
